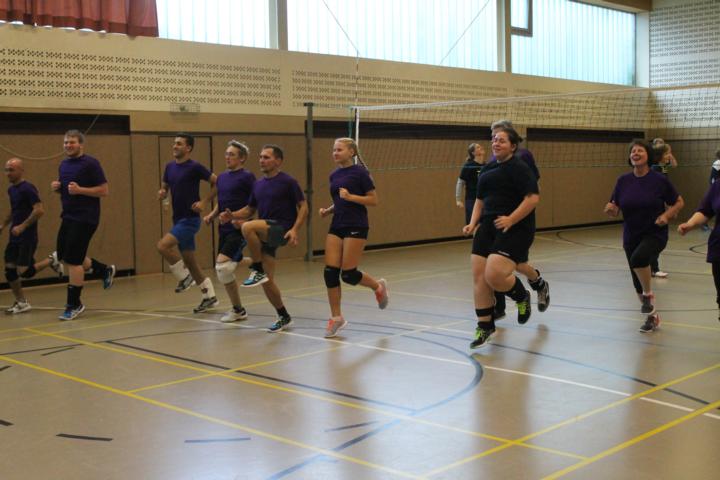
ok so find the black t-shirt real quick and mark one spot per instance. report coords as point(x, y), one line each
point(469, 174)
point(503, 186)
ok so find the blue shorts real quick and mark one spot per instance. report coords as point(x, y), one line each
point(184, 230)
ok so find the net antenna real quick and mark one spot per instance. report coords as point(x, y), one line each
point(357, 51)
point(482, 9)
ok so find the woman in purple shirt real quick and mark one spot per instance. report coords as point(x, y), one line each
point(648, 201)
point(709, 207)
point(352, 189)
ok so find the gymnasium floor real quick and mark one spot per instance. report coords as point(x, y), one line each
point(139, 387)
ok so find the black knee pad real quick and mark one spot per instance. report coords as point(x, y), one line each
point(332, 277)
point(29, 272)
point(11, 274)
point(484, 312)
point(352, 277)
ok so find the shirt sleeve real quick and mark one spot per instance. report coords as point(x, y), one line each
point(705, 206)
point(97, 175)
point(670, 195)
point(32, 195)
point(526, 179)
point(202, 172)
point(366, 182)
point(297, 192)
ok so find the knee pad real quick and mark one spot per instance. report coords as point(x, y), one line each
point(11, 274)
point(352, 277)
point(29, 272)
point(226, 272)
point(332, 277)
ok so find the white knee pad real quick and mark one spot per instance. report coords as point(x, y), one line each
point(226, 272)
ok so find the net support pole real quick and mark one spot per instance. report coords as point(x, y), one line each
point(309, 178)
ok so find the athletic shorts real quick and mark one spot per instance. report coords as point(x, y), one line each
point(513, 244)
point(231, 245)
point(20, 254)
point(185, 230)
point(350, 232)
point(73, 240)
point(275, 238)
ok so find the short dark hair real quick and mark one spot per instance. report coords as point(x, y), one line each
point(189, 139)
point(513, 136)
point(277, 151)
point(77, 134)
point(648, 148)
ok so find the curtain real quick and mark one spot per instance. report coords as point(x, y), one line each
point(131, 17)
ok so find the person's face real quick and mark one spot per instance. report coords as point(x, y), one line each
point(269, 163)
point(638, 156)
point(13, 171)
point(479, 153)
point(342, 153)
point(180, 148)
point(232, 158)
point(501, 146)
point(72, 146)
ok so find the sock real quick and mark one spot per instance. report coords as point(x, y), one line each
point(237, 308)
point(207, 289)
point(257, 266)
point(98, 267)
point(282, 312)
point(179, 271)
point(73, 295)
point(517, 292)
point(538, 283)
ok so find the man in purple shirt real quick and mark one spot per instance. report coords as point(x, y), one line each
point(81, 183)
point(182, 179)
point(25, 209)
point(282, 209)
point(233, 191)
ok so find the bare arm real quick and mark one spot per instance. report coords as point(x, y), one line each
point(324, 212)
point(529, 203)
point(37, 212)
point(199, 206)
point(369, 199)
point(292, 234)
point(474, 218)
point(459, 186)
point(696, 220)
point(671, 212)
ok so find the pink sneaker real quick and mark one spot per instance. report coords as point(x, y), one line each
point(335, 324)
point(381, 294)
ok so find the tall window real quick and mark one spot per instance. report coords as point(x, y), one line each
point(576, 41)
point(454, 33)
point(229, 22)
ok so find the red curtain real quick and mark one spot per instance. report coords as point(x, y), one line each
point(131, 17)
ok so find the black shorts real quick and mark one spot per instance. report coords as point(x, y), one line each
point(20, 253)
point(275, 238)
point(231, 245)
point(513, 244)
point(73, 240)
point(350, 232)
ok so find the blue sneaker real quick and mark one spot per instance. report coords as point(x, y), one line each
point(71, 313)
point(109, 277)
point(255, 278)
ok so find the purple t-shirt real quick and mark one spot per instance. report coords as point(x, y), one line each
point(642, 200)
point(276, 198)
point(356, 179)
point(710, 207)
point(184, 181)
point(86, 172)
point(526, 156)
point(233, 189)
point(22, 198)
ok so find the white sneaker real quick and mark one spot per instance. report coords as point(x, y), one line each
point(56, 264)
point(660, 274)
point(233, 315)
point(18, 307)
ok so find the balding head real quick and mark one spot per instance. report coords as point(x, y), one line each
point(14, 170)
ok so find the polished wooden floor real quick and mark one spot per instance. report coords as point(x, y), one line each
point(140, 388)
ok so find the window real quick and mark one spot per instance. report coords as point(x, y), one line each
point(577, 41)
point(455, 33)
point(229, 22)
point(521, 17)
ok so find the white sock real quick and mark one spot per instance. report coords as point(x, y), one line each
point(208, 291)
point(179, 271)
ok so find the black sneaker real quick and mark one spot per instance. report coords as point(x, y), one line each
point(647, 304)
point(184, 284)
point(652, 323)
point(524, 309)
point(206, 304)
point(498, 314)
point(543, 295)
point(482, 336)
point(281, 324)
point(109, 277)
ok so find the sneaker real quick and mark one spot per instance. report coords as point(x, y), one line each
point(381, 294)
point(234, 314)
point(256, 278)
point(335, 324)
point(524, 309)
point(71, 313)
point(652, 323)
point(543, 296)
point(498, 314)
point(281, 324)
point(647, 304)
point(482, 336)
point(660, 274)
point(18, 307)
point(109, 277)
point(206, 304)
point(56, 264)
point(184, 284)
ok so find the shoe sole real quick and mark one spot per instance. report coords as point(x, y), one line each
point(20, 311)
point(231, 320)
point(264, 280)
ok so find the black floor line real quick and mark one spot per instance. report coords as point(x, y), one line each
point(57, 351)
point(218, 440)
point(84, 437)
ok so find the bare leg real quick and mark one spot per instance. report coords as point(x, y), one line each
point(272, 292)
point(333, 258)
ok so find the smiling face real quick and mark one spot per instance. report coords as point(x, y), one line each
point(638, 156)
point(502, 148)
point(181, 149)
point(72, 146)
point(343, 153)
